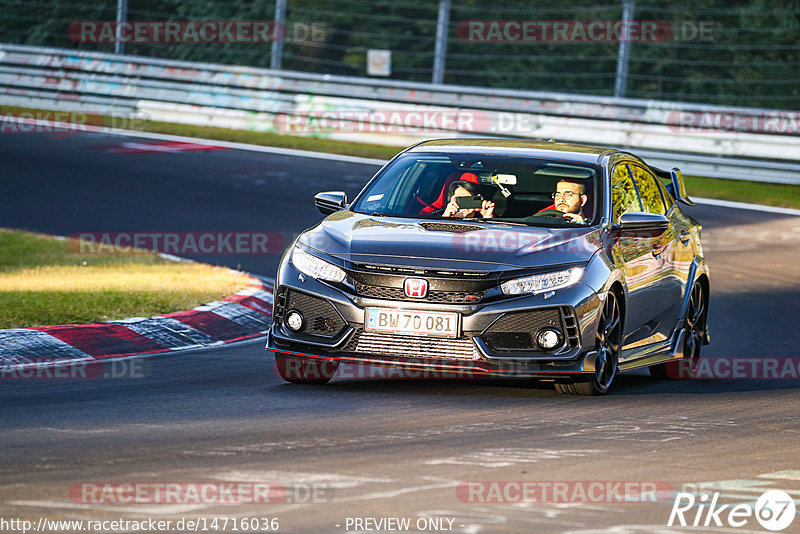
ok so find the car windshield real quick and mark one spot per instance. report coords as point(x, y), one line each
point(526, 190)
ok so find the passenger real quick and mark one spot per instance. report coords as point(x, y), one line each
point(463, 188)
point(569, 199)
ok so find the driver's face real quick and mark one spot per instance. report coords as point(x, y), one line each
point(461, 192)
point(566, 202)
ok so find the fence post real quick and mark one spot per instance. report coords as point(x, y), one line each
point(122, 16)
point(624, 49)
point(440, 51)
point(277, 43)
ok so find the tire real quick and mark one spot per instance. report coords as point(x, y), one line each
point(694, 328)
point(298, 370)
point(607, 345)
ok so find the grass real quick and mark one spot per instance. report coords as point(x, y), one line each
point(44, 282)
point(783, 195)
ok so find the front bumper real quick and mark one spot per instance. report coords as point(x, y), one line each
point(443, 368)
point(577, 307)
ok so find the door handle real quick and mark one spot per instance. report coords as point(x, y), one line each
point(657, 251)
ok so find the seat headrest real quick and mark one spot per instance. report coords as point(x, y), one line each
point(469, 177)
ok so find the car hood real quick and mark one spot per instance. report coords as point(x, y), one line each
point(404, 242)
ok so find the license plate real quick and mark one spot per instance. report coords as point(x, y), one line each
point(408, 322)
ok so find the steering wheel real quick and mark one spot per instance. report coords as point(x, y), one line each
point(549, 213)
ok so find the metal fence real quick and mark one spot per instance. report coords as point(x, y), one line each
point(380, 111)
point(707, 51)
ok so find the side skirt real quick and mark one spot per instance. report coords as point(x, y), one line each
point(654, 354)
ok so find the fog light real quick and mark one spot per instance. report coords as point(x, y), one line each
point(294, 320)
point(548, 338)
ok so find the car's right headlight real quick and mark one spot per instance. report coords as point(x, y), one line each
point(539, 283)
point(315, 267)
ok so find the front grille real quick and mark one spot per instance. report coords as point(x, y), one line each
point(321, 318)
point(456, 228)
point(517, 331)
point(397, 293)
point(412, 346)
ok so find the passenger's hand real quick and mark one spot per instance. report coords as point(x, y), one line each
point(451, 209)
point(487, 209)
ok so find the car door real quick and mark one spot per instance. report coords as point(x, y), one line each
point(679, 259)
point(662, 251)
point(634, 256)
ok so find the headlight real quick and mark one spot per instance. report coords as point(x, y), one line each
point(539, 283)
point(315, 267)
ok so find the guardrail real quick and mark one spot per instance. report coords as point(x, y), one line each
point(268, 100)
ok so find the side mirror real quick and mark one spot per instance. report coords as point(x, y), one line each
point(640, 224)
point(678, 187)
point(329, 202)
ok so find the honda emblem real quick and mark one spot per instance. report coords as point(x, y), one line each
point(416, 287)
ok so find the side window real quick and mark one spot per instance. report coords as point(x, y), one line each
point(648, 190)
point(624, 197)
point(668, 200)
point(386, 194)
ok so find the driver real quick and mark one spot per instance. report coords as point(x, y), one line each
point(462, 188)
point(569, 199)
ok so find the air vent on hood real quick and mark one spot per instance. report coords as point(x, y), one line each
point(418, 271)
point(450, 227)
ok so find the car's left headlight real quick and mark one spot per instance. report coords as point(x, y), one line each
point(539, 283)
point(315, 267)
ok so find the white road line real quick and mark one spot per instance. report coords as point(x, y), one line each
point(746, 206)
point(161, 509)
point(252, 148)
point(203, 141)
point(290, 478)
point(491, 458)
point(791, 474)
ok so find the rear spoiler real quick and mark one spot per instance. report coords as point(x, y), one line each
point(676, 187)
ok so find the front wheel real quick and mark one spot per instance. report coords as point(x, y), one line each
point(298, 370)
point(607, 345)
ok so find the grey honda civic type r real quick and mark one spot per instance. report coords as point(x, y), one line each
point(495, 257)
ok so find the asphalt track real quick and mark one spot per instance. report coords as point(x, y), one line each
point(377, 447)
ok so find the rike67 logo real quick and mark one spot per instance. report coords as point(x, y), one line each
point(774, 510)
